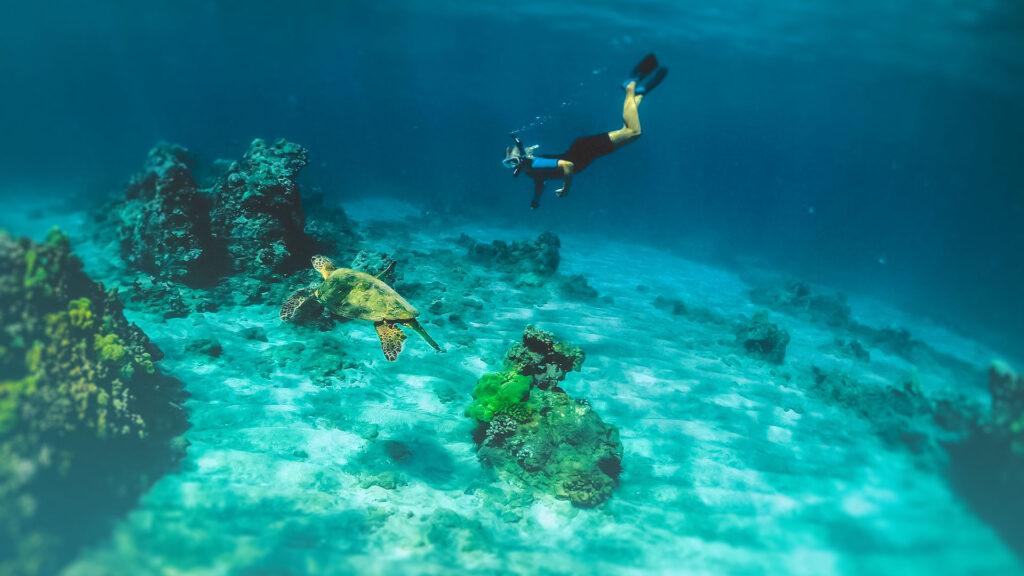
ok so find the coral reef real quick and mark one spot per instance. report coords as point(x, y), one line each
point(763, 339)
point(987, 467)
point(257, 210)
point(78, 381)
point(542, 437)
point(250, 221)
point(163, 223)
point(528, 263)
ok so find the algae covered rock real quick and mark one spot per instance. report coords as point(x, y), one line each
point(763, 339)
point(163, 223)
point(543, 357)
point(543, 438)
point(257, 210)
point(86, 417)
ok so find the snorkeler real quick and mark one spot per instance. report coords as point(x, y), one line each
point(542, 167)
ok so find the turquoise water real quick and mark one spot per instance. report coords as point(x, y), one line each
point(795, 152)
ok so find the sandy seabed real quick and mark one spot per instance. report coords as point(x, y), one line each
point(729, 466)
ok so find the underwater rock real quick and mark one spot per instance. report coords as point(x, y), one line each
point(257, 210)
point(799, 299)
point(163, 224)
point(543, 438)
point(854, 349)
point(673, 306)
point(328, 226)
point(1007, 416)
point(762, 339)
point(576, 287)
point(896, 340)
point(987, 467)
point(152, 294)
point(543, 357)
point(374, 263)
point(78, 380)
point(530, 262)
point(900, 415)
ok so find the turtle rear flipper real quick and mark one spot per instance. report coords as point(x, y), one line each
point(293, 303)
point(391, 339)
point(415, 325)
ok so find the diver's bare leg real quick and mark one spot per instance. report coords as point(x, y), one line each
point(630, 130)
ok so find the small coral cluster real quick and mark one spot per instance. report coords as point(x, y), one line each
point(85, 415)
point(530, 430)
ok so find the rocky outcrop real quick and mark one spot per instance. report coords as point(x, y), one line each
point(533, 433)
point(163, 223)
point(257, 210)
point(527, 263)
point(762, 339)
point(251, 221)
point(987, 467)
point(800, 299)
point(86, 417)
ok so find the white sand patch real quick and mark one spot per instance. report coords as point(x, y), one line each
point(779, 435)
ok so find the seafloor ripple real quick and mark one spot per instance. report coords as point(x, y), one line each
point(728, 466)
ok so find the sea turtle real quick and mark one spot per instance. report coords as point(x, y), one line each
point(353, 294)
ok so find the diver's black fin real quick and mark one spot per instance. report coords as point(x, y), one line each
point(651, 83)
point(642, 69)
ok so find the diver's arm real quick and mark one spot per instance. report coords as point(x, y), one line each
point(538, 189)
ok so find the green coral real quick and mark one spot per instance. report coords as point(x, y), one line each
point(34, 273)
point(80, 313)
point(496, 391)
point(521, 412)
point(81, 404)
point(533, 433)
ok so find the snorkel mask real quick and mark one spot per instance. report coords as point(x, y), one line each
point(517, 155)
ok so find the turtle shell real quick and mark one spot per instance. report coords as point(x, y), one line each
point(353, 294)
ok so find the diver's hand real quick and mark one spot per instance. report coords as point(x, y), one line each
point(534, 205)
point(561, 192)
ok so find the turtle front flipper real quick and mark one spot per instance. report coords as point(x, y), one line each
point(391, 339)
point(293, 303)
point(415, 325)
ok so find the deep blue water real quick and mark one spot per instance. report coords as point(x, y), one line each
point(873, 145)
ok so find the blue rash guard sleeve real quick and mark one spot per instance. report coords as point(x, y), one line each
point(544, 163)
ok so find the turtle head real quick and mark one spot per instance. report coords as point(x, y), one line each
point(323, 265)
